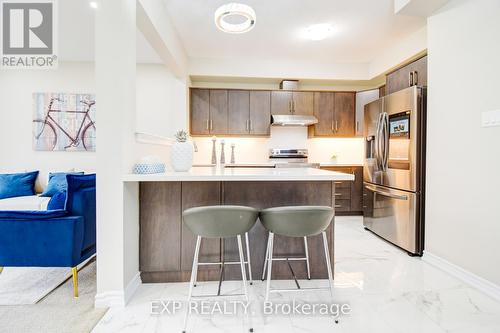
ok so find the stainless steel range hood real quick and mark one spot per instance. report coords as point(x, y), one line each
point(292, 120)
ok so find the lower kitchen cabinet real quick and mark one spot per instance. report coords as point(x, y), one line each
point(348, 195)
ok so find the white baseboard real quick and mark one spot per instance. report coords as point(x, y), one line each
point(118, 298)
point(487, 287)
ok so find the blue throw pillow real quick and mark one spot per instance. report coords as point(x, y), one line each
point(57, 183)
point(57, 201)
point(17, 184)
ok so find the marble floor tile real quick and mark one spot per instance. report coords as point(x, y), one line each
point(387, 291)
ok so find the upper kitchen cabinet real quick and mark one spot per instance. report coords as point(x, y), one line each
point(413, 74)
point(292, 102)
point(345, 116)
point(260, 113)
point(230, 112)
point(238, 112)
point(336, 114)
point(218, 111)
point(200, 111)
point(323, 110)
point(249, 112)
point(208, 111)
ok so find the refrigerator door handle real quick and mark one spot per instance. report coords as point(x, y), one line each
point(385, 134)
point(386, 193)
point(377, 141)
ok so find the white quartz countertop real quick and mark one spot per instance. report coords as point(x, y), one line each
point(242, 174)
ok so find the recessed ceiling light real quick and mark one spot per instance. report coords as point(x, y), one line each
point(319, 31)
point(235, 18)
point(93, 4)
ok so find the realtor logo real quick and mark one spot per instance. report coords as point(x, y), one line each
point(28, 34)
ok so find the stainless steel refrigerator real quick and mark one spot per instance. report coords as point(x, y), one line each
point(394, 168)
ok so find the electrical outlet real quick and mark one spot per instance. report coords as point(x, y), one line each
point(490, 118)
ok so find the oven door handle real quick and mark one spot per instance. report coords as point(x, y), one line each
point(386, 193)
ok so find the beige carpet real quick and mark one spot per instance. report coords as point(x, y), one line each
point(58, 312)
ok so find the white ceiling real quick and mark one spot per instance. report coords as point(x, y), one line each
point(364, 29)
point(76, 34)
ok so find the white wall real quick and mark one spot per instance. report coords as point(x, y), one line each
point(16, 116)
point(161, 104)
point(462, 215)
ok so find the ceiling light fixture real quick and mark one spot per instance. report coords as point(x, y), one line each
point(227, 15)
point(93, 4)
point(319, 31)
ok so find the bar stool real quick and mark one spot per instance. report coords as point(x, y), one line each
point(219, 222)
point(296, 221)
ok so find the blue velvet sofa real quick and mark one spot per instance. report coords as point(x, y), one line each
point(53, 238)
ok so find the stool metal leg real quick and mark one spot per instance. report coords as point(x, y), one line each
point(193, 277)
point(248, 259)
point(244, 274)
point(265, 260)
point(242, 264)
point(328, 263)
point(269, 264)
point(307, 259)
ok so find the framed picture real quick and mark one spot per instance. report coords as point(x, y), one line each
point(64, 122)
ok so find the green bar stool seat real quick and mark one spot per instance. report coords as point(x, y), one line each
point(296, 221)
point(220, 222)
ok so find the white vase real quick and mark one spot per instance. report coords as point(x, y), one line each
point(181, 156)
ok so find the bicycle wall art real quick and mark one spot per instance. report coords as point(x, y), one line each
point(64, 122)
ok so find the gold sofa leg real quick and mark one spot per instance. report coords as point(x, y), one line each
point(74, 270)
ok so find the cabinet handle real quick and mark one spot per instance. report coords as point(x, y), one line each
point(338, 206)
point(336, 126)
point(250, 125)
point(337, 194)
point(415, 77)
point(357, 126)
point(410, 79)
point(293, 106)
point(208, 124)
point(290, 106)
point(333, 130)
point(246, 125)
point(211, 124)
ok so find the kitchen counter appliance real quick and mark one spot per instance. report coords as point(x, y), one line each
point(394, 168)
point(291, 158)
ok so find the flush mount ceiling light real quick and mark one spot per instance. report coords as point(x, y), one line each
point(235, 18)
point(318, 31)
point(93, 4)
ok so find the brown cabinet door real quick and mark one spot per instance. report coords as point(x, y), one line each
point(238, 112)
point(357, 190)
point(198, 194)
point(200, 115)
point(323, 110)
point(420, 71)
point(260, 112)
point(281, 102)
point(345, 114)
point(400, 78)
point(303, 103)
point(218, 111)
point(160, 219)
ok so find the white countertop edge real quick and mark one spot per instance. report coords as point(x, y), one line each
point(243, 174)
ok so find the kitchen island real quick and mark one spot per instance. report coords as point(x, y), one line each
point(166, 247)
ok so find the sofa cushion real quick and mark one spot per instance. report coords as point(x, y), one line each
point(57, 183)
point(29, 202)
point(17, 184)
point(57, 201)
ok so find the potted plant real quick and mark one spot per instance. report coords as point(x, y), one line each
point(181, 154)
